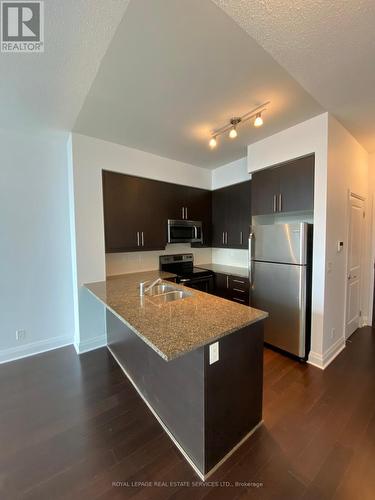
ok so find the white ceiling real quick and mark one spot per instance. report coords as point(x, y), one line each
point(327, 46)
point(47, 90)
point(175, 70)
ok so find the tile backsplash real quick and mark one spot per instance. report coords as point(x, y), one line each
point(230, 257)
point(132, 262)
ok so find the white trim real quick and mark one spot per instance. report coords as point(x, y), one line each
point(33, 348)
point(322, 361)
point(230, 453)
point(174, 440)
point(372, 261)
point(91, 344)
point(364, 321)
point(359, 198)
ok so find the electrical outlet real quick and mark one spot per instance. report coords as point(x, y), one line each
point(333, 333)
point(20, 335)
point(214, 352)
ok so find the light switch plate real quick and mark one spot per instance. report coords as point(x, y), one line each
point(214, 352)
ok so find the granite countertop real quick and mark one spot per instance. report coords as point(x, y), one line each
point(242, 272)
point(175, 328)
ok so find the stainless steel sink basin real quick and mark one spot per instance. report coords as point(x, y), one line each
point(164, 298)
point(160, 289)
point(162, 293)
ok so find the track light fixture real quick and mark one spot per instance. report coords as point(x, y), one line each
point(234, 122)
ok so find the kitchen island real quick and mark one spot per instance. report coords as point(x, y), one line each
point(197, 362)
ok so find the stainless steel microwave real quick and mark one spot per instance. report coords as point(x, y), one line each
point(185, 231)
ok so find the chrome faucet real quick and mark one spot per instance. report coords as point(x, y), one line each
point(144, 289)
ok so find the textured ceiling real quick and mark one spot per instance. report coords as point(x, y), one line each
point(47, 90)
point(327, 46)
point(175, 70)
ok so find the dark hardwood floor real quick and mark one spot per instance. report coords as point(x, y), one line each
point(75, 428)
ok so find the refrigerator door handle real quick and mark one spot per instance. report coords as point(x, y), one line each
point(251, 240)
point(302, 311)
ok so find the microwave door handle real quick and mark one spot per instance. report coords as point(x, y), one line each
point(195, 232)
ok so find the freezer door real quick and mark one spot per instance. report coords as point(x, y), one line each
point(280, 290)
point(285, 243)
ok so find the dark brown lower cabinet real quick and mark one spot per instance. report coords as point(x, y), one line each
point(207, 408)
point(232, 288)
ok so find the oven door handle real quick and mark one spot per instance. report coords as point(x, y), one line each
point(184, 280)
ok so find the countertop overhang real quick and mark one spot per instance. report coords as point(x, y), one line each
point(175, 328)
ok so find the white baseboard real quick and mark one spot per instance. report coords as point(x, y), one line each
point(364, 321)
point(91, 344)
point(32, 348)
point(323, 360)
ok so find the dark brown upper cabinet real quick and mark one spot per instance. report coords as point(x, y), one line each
point(136, 211)
point(231, 216)
point(288, 187)
point(134, 219)
point(199, 207)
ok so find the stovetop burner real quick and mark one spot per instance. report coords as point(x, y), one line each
point(183, 266)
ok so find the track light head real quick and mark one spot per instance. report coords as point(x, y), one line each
point(258, 122)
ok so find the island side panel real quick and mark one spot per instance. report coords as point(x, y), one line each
point(233, 392)
point(174, 389)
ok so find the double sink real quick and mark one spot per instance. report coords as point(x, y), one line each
point(163, 293)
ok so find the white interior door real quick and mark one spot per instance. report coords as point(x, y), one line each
point(353, 289)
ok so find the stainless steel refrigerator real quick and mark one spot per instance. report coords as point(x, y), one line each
point(280, 283)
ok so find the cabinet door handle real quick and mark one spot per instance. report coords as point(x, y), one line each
point(274, 203)
point(223, 238)
point(239, 300)
point(138, 242)
point(280, 202)
point(186, 213)
point(238, 290)
point(241, 238)
point(226, 237)
point(239, 281)
point(227, 281)
point(183, 212)
point(143, 239)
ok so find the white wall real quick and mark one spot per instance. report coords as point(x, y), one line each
point(305, 138)
point(231, 173)
point(36, 277)
point(88, 158)
point(347, 171)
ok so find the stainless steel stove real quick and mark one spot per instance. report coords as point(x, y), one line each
point(183, 266)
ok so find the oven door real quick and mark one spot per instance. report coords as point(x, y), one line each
point(204, 284)
point(185, 231)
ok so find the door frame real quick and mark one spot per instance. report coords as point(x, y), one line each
point(351, 194)
point(371, 308)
